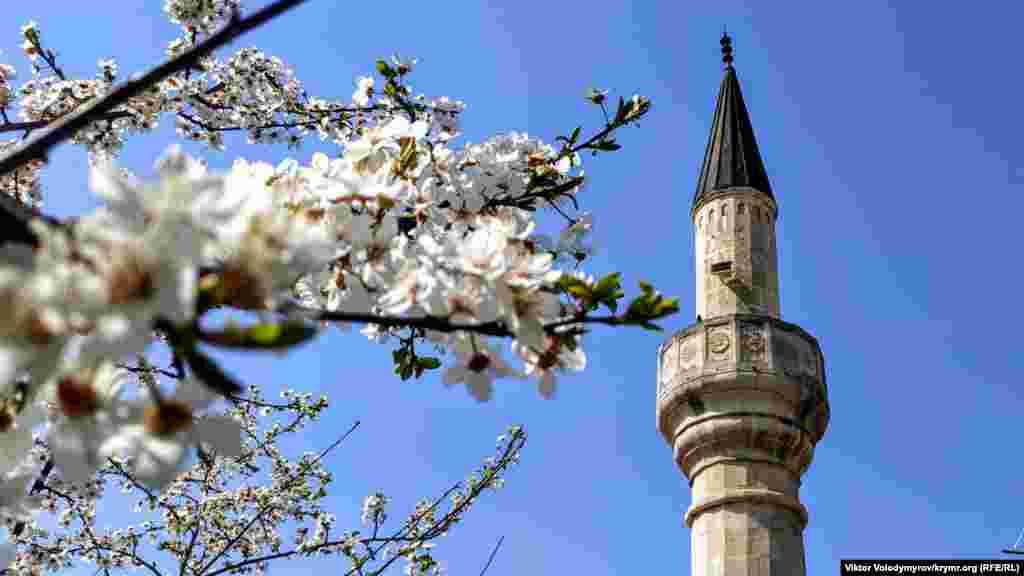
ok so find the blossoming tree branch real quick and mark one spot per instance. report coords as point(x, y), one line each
point(423, 242)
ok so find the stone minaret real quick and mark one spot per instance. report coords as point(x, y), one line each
point(741, 393)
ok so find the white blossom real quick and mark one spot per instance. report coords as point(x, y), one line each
point(90, 412)
point(553, 357)
point(478, 366)
point(157, 439)
point(364, 91)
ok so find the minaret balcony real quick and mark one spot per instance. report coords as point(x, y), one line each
point(742, 386)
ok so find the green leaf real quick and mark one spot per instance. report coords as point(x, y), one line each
point(608, 291)
point(581, 291)
point(428, 362)
point(613, 305)
point(262, 336)
point(573, 285)
point(650, 305)
point(575, 136)
point(607, 145)
point(384, 69)
point(608, 285)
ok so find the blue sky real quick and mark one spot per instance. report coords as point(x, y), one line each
point(891, 137)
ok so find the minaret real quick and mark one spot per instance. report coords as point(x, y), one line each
point(741, 393)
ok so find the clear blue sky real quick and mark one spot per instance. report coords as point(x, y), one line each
point(892, 139)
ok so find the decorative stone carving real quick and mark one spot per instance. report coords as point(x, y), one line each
point(669, 364)
point(718, 343)
point(687, 356)
point(752, 342)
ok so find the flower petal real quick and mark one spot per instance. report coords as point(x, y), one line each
point(194, 394)
point(159, 460)
point(223, 433)
point(547, 385)
point(74, 448)
point(479, 386)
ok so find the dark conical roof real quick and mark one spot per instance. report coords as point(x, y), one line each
point(731, 158)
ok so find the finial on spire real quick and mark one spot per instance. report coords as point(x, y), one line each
point(726, 43)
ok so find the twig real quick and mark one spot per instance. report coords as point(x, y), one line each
point(492, 328)
point(36, 124)
point(515, 444)
point(47, 56)
point(491, 557)
point(148, 370)
point(438, 324)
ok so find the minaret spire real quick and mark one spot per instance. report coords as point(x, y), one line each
point(741, 397)
point(731, 158)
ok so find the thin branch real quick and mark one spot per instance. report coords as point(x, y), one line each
point(491, 557)
point(243, 400)
point(564, 189)
point(493, 328)
point(48, 57)
point(36, 124)
point(197, 122)
point(72, 123)
point(439, 527)
point(149, 370)
point(256, 518)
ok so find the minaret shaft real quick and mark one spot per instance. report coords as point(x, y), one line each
point(736, 259)
point(742, 398)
